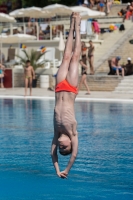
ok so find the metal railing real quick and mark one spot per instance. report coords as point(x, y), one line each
point(39, 28)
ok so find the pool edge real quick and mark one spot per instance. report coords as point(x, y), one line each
point(82, 99)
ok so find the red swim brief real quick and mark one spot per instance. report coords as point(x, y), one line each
point(65, 86)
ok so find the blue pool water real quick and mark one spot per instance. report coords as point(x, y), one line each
point(104, 166)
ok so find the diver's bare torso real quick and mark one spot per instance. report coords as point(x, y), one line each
point(64, 116)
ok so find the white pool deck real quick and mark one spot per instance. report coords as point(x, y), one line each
point(39, 93)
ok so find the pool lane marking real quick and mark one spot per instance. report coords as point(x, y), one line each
point(77, 99)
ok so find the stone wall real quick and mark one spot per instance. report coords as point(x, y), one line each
point(95, 83)
point(101, 83)
point(18, 76)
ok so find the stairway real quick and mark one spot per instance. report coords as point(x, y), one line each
point(101, 83)
point(109, 47)
point(125, 86)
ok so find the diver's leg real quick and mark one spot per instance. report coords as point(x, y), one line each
point(73, 74)
point(63, 69)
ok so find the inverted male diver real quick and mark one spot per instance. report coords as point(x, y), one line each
point(65, 132)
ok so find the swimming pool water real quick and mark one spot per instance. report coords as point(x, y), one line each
point(103, 168)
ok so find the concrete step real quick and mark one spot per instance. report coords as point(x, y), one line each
point(127, 80)
point(103, 86)
point(102, 82)
point(128, 77)
point(124, 92)
point(98, 89)
point(125, 86)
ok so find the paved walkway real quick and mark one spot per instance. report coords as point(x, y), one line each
point(44, 93)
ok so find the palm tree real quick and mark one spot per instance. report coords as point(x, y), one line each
point(36, 59)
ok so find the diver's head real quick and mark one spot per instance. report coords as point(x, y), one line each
point(64, 143)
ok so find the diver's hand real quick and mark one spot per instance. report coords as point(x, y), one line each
point(63, 174)
point(59, 174)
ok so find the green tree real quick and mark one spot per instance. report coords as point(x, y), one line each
point(4, 1)
point(42, 3)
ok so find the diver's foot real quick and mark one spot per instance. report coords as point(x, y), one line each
point(77, 21)
point(72, 20)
